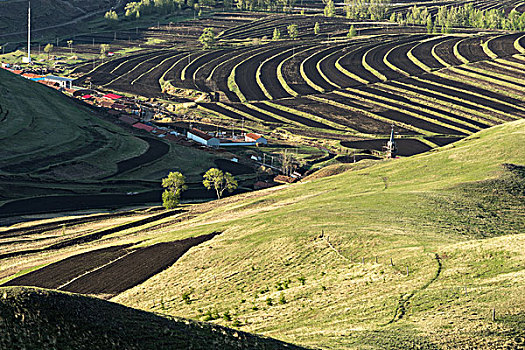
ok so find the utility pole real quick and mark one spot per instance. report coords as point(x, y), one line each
point(29, 33)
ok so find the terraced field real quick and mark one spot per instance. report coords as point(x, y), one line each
point(427, 86)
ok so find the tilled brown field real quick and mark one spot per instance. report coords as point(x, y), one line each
point(109, 271)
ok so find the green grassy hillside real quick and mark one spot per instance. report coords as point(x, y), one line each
point(51, 145)
point(311, 263)
point(43, 319)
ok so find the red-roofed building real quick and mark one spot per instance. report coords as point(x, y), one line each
point(143, 127)
point(203, 138)
point(85, 97)
point(112, 96)
point(251, 137)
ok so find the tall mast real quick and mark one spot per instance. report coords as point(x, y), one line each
point(29, 33)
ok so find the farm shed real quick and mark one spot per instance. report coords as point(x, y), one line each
point(62, 82)
point(203, 138)
point(251, 137)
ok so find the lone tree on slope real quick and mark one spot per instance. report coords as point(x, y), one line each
point(276, 34)
point(219, 181)
point(174, 184)
point(293, 32)
point(47, 49)
point(207, 38)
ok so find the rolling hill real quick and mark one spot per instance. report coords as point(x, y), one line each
point(409, 253)
point(423, 252)
point(43, 319)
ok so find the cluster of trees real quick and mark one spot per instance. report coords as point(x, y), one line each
point(213, 179)
point(374, 10)
point(207, 38)
point(461, 16)
point(269, 5)
point(136, 9)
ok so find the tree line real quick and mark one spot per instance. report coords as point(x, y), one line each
point(463, 16)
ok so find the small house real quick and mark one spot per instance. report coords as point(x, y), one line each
point(202, 138)
point(252, 137)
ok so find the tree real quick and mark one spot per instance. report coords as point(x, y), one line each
point(219, 181)
point(276, 34)
point(317, 28)
point(48, 49)
point(430, 25)
point(292, 31)
point(103, 49)
point(329, 9)
point(70, 45)
point(207, 38)
point(351, 32)
point(174, 184)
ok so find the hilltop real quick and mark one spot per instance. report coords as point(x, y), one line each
point(405, 253)
point(43, 319)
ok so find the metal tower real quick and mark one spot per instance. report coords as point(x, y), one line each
point(391, 147)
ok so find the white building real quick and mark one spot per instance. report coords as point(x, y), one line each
point(63, 82)
point(203, 138)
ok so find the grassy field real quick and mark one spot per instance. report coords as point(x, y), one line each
point(311, 263)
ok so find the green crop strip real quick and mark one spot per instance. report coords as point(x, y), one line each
point(325, 77)
point(370, 68)
point(436, 56)
point(232, 84)
point(305, 76)
point(391, 65)
point(477, 77)
point(457, 54)
point(487, 50)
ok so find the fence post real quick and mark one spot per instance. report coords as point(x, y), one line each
point(493, 314)
point(407, 271)
point(391, 262)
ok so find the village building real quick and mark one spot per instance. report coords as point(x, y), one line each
point(203, 138)
point(62, 82)
point(258, 139)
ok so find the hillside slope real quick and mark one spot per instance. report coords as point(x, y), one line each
point(409, 253)
point(51, 145)
point(47, 13)
point(43, 319)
